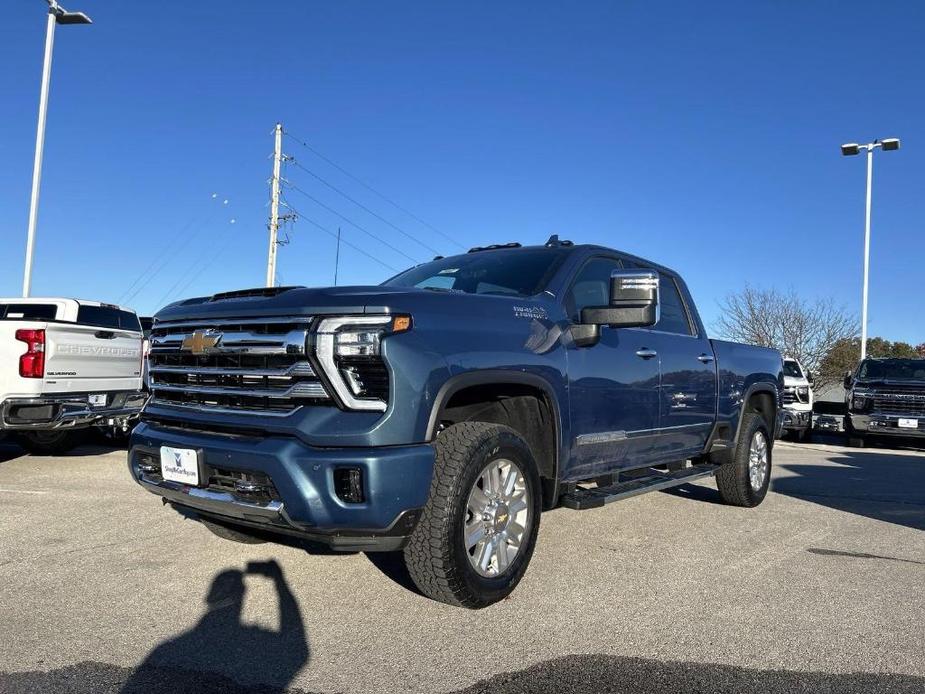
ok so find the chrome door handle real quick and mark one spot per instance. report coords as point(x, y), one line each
point(706, 358)
point(646, 353)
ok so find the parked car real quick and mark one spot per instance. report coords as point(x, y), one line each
point(798, 400)
point(441, 412)
point(885, 397)
point(66, 365)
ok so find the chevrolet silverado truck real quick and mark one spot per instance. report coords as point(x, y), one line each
point(798, 400)
point(66, 365)
point(440, 413)
point(885, 396)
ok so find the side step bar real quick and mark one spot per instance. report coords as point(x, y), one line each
point(581, 498)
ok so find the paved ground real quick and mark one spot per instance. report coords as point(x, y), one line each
point(818, 590)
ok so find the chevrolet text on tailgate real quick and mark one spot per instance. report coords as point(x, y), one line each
point(440, 413)
point(66, 365)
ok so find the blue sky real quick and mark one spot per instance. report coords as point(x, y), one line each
point(702, 135)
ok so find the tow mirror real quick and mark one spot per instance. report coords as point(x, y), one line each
point(633, 304)
point(847, 381)
point(811, 379)
point(633, 301)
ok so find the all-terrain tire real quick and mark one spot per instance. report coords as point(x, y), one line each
point(436, 556)
point(235, 534)
point(733, 477)
point(53, 442)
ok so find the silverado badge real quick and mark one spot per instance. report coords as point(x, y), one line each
point(201, 341)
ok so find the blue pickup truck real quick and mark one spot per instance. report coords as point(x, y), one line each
point(440, 413)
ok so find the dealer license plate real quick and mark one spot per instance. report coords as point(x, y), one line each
point(908, 423)
point(97, 400)
point(180, 465)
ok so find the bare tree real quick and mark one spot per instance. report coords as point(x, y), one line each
point(806, 330)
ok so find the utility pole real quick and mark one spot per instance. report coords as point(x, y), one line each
point(337, 257)
point(274, 206)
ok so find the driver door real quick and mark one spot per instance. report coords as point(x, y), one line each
point(613, 385)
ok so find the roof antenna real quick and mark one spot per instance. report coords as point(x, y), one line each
point(553, 240)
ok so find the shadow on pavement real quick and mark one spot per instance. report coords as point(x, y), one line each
point(576, 674)
point(220, 651)
point(888, 487)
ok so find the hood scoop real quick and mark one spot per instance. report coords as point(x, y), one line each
point(257, 293)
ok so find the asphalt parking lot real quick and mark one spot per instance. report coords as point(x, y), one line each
point(819, 589)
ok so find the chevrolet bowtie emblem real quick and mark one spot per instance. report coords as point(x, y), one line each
point(201, 341)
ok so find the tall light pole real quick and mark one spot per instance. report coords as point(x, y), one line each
point(56, 15)
point(850, 150)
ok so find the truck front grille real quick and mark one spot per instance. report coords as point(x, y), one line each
point(900, 401)
point(258, 366)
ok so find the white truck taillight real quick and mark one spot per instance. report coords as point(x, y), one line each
point(32, 363)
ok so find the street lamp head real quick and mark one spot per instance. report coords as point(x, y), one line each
point(62, 17)
point(850, 149)
point(890, 144)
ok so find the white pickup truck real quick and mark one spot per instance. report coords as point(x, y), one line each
point(67, 365)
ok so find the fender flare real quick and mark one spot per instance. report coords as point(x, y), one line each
point(499, 377)
point(754, 389)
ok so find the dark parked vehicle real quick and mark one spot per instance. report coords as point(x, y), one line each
point(885, 397)
point(441, 412)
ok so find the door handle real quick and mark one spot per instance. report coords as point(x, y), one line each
point(104, 334)
point(646, 353)
point(706, 358)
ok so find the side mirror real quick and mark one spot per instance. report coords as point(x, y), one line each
point(633, 301)
point(811, 379)
point(847, 381)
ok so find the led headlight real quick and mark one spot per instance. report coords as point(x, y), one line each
point(348, 348)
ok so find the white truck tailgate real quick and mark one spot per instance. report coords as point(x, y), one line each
point(85, 358)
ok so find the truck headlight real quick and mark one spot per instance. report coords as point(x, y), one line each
point(803, 391)
point(859, 400)
point(348, 348)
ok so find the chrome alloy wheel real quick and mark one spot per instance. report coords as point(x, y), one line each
point(497, 517)
point(758, 460)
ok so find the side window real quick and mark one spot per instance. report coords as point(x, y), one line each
point(28, 311)
point(592, 286)
point(672, 314)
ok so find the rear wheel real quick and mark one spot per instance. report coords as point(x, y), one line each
point(744, 480)
point(54, 442)
point(478, 530)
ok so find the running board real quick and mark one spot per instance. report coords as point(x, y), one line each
point(581, 499)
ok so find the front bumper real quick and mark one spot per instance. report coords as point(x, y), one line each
point(797, 420)
point(69, 410)
point(297, 495)
point(884, 424)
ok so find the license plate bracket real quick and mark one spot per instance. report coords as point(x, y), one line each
point(97, 399)
point(180, 465)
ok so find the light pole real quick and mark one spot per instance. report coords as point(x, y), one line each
point(849, 150)
point(56, 15)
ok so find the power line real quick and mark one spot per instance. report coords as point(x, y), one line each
point(373, 190)
point(382, 219)
point(170, 253)
point(351, 222)
point(344, 241)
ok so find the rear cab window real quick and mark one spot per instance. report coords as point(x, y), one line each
point(108, 317)
point(28, 311)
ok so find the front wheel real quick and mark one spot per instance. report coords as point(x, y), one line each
point(744, 480)
point(478, 530)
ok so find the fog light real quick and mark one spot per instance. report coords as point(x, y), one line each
point(348, 484)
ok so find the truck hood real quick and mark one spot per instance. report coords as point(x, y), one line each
point(890, 383)
point(304, 301)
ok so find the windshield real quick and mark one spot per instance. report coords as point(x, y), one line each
point(514, 272)
point(899, 369)
point(792, 369)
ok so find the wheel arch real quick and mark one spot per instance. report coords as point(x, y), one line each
point(487, 396)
